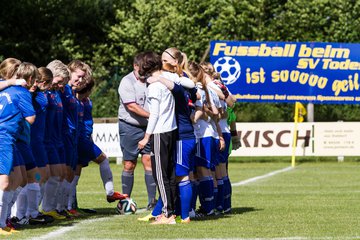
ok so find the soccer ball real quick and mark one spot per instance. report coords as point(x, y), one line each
point(228, 68)
point(126, 206)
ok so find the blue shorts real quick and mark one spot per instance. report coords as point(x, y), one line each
point(6, 159)
point(184, 156)
point(17, 158)
point(224, 155)
point(39, 152)
point(130, 135)
point(55, 154)
point(215, 154)
point(70, 145)
point(87, 151)
point(27, 155)
point(204, 151)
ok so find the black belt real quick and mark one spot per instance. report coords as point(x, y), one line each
point(143, 127)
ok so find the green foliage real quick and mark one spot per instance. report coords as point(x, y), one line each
point(108, 33)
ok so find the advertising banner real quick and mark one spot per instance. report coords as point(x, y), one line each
point(268, 139)
point(289, 71)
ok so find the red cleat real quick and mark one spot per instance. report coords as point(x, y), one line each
point(116, 196)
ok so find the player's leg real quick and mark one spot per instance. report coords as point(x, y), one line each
point(149, 179)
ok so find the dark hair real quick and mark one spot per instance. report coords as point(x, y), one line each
point(150, 62)
point(138, 58)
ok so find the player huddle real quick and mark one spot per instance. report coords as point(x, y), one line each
point(189, 136)
point(45, 141)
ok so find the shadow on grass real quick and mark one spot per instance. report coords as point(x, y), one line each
point(234, 211)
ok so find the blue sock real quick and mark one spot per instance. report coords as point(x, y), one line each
point(220, 196)
point(158, 207)
point(215, 196)
point(195, 185)
point(227, 194)
point(185, 198)
point(206, 194)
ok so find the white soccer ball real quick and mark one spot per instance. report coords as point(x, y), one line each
point(126, 206)
point(228, 68)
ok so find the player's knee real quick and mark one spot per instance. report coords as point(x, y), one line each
point(129, 166)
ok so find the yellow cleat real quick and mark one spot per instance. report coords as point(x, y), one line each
point(5, 231)
point(147, 218)
point(185, 221)
point(54, 214)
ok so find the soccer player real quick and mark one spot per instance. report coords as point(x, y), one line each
point(133, 119)
point(162, 129)
point(224, 200)
point(27, 204)
point(206, 131)
point(173, 60)
point(40, 103)
point(15, 105)
point(53, 138)
point(87, 149)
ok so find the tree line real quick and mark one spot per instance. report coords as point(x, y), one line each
point(108, 33)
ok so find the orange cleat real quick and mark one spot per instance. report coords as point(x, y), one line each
point(116, 196)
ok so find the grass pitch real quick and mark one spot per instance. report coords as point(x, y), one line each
point(316, 200)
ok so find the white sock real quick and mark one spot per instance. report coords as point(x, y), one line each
point(66, 194)
point(5, 199)
point(41, 193)
point(21, 203)
point(72, 195)
point(50, 194)
point(60, 197)
point(12, 202)
point(33, 190)
point(107, 177)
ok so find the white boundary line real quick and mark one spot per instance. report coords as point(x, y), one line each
point(254, 179)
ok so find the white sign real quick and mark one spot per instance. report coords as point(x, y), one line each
point(268, 139)
point(106, 137)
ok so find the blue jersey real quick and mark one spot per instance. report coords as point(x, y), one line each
point(54, 120)
point(40, 103)
point(70, 121)
point(81, 124)
point(88, 119)
point(183, 112)
point(15, 105)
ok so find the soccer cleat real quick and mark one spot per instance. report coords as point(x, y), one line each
point(227, 211)
point(164, 220)
point(66, 214)
point(74, 213)
point(41, 219)
point(192, 213)
point(116, 196)
point(16, 222)
point(147, 218)
point(54, 214)
point(5, 231)
point(185, 221)
point(151, 205)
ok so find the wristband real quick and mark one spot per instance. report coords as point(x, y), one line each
point(233, 133)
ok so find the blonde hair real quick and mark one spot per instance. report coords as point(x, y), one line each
point(181, 58)
point(8, 67)
point(198, 75)
point(59, 69)
point(29, 72)
point(77, 64)
point(210, 70)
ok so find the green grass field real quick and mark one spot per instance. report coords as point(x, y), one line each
point(316, 200)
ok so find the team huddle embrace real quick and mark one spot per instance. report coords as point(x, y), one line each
point(45, 140)
point(178, 115)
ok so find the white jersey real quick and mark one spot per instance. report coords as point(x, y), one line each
point(203, 128)
point(165, 120)
point(223, 122)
